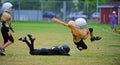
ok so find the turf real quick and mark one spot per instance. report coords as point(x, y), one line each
point(48, 34)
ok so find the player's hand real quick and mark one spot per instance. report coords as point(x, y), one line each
point(12, 30)
point(54, 19)
point(59, 21)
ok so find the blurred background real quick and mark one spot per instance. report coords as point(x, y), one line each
point(36, 10)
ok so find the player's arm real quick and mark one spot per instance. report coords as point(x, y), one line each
point(59, 21)
point(11, 27)
point(9, 24)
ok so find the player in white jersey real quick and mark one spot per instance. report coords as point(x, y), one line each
point(79, 31)
point(6, 25)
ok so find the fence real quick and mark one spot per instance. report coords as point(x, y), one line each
point(35, 9)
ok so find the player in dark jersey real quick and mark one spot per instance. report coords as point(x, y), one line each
point(55, 50)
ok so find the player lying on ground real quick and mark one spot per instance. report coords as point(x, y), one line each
point(63, 50)
point(79, 31)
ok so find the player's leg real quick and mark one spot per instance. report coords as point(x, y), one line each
point(42, 51)
point(9, 40)
point(81, 45)
point(24, 39)
point(4, 31)
point(2, 50)
point(32, 39)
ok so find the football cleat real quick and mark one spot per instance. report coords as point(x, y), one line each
point(22, 39)
point(31, 37)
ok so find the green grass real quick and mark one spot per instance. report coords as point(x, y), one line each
point(103, 52)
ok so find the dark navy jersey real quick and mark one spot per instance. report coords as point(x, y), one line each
point(54, 51)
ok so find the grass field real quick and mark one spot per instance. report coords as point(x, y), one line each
point(103, 52)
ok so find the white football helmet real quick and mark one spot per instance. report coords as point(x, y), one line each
point(80, 23)
point(7, 6)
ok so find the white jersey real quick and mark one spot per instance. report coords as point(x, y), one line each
point(78, 34)
point(6, 17)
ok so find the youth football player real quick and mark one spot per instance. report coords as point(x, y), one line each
point(79, 31)
point(63, 50)
point(6, 25)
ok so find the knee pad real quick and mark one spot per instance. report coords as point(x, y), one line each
point(91, 29)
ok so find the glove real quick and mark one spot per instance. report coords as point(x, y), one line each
point(95, 38)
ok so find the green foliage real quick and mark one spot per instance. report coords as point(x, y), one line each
point(56, 5)
point(93, 4)
point(25, 4)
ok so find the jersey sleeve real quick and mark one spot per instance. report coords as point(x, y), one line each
point(71, 24)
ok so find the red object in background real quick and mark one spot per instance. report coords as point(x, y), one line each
point(105, 12)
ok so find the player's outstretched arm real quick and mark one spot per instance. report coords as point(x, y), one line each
point(59, 21)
